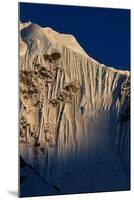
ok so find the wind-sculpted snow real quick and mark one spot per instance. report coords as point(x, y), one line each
point(74, 113)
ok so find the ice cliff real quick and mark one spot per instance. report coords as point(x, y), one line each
point(74, 113)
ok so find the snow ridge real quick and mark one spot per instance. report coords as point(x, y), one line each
point(74, 111)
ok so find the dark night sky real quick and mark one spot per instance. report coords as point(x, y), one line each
point(103, 33)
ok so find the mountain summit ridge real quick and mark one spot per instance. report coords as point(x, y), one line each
point(74, 114)
point(67, 40)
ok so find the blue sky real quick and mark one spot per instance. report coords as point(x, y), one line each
point(103, 33)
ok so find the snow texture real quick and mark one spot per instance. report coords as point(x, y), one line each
point(74, 116)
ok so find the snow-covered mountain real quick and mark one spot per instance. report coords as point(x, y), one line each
point(74, 114)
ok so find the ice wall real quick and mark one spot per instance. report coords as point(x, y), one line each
point(73, 110)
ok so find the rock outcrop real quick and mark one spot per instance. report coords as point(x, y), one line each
point(74, 111)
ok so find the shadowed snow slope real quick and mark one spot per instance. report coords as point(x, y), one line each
point(74, 114)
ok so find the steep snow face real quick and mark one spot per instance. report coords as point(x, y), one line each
point(32, 183)
point(74, 111)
